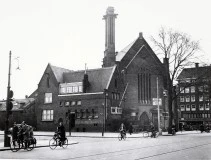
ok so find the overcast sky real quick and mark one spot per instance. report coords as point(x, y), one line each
point(70, 33)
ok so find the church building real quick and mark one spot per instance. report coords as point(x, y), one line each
point(126, 89)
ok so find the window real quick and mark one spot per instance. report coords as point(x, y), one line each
point(182, 99)
point(116, 110)
point(113, 110)
point(182, 107)
point(80, 89)
point(60, 104)
point(115, 96)
point(47, 115)
point(78, 103)
point(94, 113)
point(187, 98)
point(181, 89)
point(84, 113)
point(69, 89)
point(201, 107)
point(207, 107)
point(187, 107)
point(206, 88)
point(193, 107)
point(78, 114)
point(115, 83)
point(187, 90)
point(192, 89)
point(75, 87)
point(48, 97)
point(67, 103)
point(193, 98)
point(73, 103)
point(200, 88)
point(201, 98)
point(62, 89)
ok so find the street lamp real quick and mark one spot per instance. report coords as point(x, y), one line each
point(158, 107)
point(9, 95)
point(9, 104)
point(104, 111)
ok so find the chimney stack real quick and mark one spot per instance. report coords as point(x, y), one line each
point(109, 53)
point(197, 65)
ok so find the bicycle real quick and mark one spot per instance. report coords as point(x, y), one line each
point(153, 134)
point(122, 136)
point(56, 141)
point(18, 144)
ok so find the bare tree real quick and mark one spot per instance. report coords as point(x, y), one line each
point(178, 51)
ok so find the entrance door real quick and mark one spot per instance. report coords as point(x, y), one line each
point(144, 121)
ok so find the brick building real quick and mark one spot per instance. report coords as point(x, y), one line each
point(194, 87)
point(23, 110)
point(123, 90)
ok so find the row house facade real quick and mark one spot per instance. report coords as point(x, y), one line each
point(194, 96)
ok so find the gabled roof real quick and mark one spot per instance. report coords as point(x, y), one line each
point(58, 72)
point(194, 73)
point(134, 48)
point(98, 78)
point(122, 53)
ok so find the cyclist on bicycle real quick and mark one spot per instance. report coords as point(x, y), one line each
point(122, 130)
point(61, 132)
point(152, 129)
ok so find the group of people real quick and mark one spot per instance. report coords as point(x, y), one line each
point(21, 133)
point(204, 128)
point(122, 129)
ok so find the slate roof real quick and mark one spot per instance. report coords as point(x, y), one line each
point(193, 73)
point(123, 52)
point(98, 78)
point(58, 72)
point(137, 44)
point(18, 104)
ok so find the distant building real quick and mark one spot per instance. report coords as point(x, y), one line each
point(23, 110)
point(123, 90)
point(194, 87)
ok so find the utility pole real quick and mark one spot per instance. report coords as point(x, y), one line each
point(6, 138)
point(158, 107)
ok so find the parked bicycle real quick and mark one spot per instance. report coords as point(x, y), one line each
point(153, 134)
point(18, 144)
point(56, 141)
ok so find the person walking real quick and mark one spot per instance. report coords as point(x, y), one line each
point(131, 128)
point(15, 131)
point(122, 130)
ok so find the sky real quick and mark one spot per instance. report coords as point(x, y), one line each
point(70, 33)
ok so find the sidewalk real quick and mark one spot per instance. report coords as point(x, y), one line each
point(44, 137)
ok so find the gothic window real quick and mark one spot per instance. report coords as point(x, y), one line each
point(48, 81)
point(144, 86)
point(115, 83)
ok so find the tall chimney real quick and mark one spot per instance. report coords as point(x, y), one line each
point(197, 65)
point(109, 53)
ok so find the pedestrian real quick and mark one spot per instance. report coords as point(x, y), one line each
point(122, 130)
point(14, 133)
point(131, 128)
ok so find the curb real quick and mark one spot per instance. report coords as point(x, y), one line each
point(41, 146)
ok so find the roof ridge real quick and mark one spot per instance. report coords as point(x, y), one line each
point(93, 69)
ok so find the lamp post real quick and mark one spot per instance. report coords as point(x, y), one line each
point(158, 107)
point(104, 111)
point(6, 138)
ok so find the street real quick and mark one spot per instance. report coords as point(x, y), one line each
point(182, 146)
